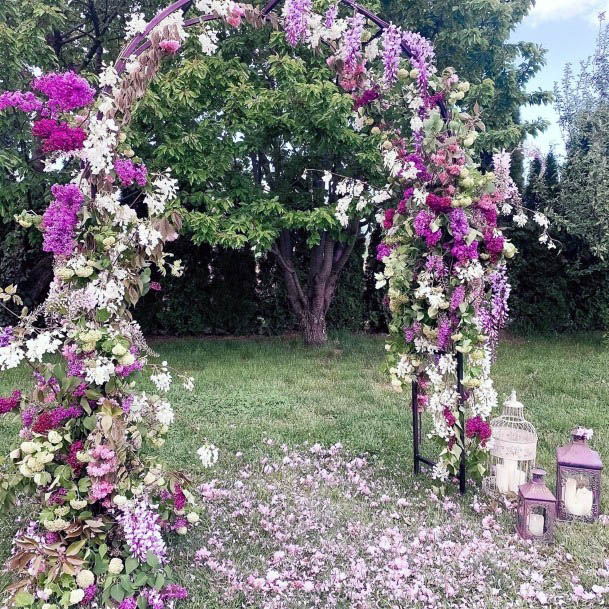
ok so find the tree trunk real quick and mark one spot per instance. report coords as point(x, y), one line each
point(310, 303)
point(314, 330)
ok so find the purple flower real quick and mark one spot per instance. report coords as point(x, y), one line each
point(26, 102)
point(6, 336)
point(130, 172)
point(422, 228)
point(352, 42)
point(60, 219)
point(58, 136)
point(142, 531)
point(65, 92)
point(173, 591)
point(458, 296)
point(382, 251)
point(444, 333)
point(459, 225)
point(392, 41)
point(27, 417)
point(493, 242)
point(90, 593)
point(128, 603)
point(463, 252)
point(154, 598)
point(10, 403)
point(367, 97)
point(331, 15)
point(435, 265)
point(296, 13)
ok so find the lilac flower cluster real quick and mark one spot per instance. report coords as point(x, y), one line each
point(352, 42)
point(103, 461)
point(6, 336)
point(130, 172)
point(58, 136)
point(392, 42)
point(65, 92)
point(435, 265)
point(367, 97)
point(382, 251)
point(296, 13)
point(331, 15)
point(495, 318)
point(458, 296)
point(459, 224)
point(26, 102)
point(422, 228)
point(464, 252)
point(60, 219)
point(445, 329)
point(142, 531)
point(128, 603)
point(75, 364)
point(422, 171)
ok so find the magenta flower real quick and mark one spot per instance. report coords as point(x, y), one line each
point(60, 219)
point(130, 172)
point(171, 47)
point(65, 92)
point(10, 403)
point(476, 427)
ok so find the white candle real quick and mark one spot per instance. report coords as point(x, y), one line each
point(584, 501)
point(517, 478)
point(536, 524)
point(570, 495)
point(502, 478)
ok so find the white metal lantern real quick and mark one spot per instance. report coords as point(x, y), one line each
point(512, 456)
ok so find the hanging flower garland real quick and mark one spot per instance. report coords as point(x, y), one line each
point(100, 534)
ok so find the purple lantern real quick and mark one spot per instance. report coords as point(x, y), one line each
point(536, 508)
point(578, 479)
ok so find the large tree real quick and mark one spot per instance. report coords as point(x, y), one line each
point(240, 130)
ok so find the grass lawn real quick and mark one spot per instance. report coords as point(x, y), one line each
point(252, 390)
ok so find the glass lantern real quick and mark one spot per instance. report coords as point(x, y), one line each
point(578, 479)
point(514, 449)
point(536, 508)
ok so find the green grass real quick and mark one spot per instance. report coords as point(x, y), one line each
point(247, 390)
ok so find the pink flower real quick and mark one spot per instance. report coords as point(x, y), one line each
point(171, 47)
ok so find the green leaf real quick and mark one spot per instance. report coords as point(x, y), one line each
point(117, 593)
point(23, 599)
point(152, 560)
point(131, 564)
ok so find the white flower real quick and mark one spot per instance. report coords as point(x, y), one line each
point(541, 219)
point(440, 472)
point(177, 270)
point(208, 454)
point(148, 237)
point(119, 500)
point(99, 371)
point(188, 383)
point(85, 578)
point(208, 40)
point(54, 437)
point(162, 380)
point(11, 356)
point(136, 25)
point(164, 413)
point(192, 517)
point(115, 566)
point(520, 219)
point(76, 596)
point(45, 342)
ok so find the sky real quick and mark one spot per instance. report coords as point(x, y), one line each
point(567, 29)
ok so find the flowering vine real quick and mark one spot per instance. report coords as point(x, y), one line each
point(105, 511)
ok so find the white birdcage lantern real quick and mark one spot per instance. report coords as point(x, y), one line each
point(512, 456)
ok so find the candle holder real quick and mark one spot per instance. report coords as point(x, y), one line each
point(514, 449)
point(536, 508)
point(578, 479)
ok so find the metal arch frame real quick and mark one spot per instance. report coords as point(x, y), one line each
point(139, 44)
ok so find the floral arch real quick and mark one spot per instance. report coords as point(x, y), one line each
point(105, 509)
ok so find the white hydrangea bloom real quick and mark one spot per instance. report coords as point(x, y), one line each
point(208, 454)
point(37, 347)
point(136, 25)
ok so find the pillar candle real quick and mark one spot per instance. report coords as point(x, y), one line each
point(570, 495)
point(536, 524)
point(584, 501)
point(502, 478)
